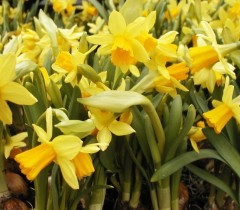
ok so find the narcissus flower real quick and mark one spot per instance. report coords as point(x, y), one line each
point(61, 149)
point(196, 135)
point(106, 122)
point(61, 5)
point(10, 90)
point(121, 42)
point(11, 142)
point(224, 110)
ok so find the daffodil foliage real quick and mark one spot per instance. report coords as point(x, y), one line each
point(120, 94)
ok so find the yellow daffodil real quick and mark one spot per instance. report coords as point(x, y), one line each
point(196, 135)
point(106, 122)
point(224, 110)
point(121, 42)
point(88, 11)
point(61, 149)
point(206, 69)
point(10, 90)
point(61, 5)
point(11, 142)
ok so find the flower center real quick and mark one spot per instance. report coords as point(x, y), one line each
point(64, 61)
point(121, 57)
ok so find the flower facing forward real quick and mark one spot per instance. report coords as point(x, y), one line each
point(121, 42)
point(224, 110)
point(63, 150)
point(10, 90)
point(106, 123)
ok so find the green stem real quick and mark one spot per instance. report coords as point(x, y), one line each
point(46, 6)
point(165, 195)
point(154, 199)
point(4, 193)
point(127, 178)
point(157, 125)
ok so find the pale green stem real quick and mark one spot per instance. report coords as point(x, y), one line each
point(154, 199)
point(127, 178)
point(165, 195)
point(98, 195)
point(4, 193)
point(46, 6)
point(156, 123)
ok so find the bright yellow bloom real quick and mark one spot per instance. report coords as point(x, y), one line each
point(88, 11)
point(122, 41)
point(10, 90)
point(61, 149)
point(61, 5)
point(224, 110)
point(15, 141)
point(106, 122)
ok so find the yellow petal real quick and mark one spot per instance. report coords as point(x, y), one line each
point(104, 136)
point(67, 146)
point(17, 94)
point(120, 128)
point(139, 51)
point(42, 135)
point(5, 113)
point(116, 24)
point(7, 68)
point(68, 172)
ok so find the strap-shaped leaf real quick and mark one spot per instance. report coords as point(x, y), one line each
point(180, 161)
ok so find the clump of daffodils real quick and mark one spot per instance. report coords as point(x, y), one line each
point(100, 92)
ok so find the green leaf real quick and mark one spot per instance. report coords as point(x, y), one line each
point(180, 161)
point(213, 180)
point(224, 148)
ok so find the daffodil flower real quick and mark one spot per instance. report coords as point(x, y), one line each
point(106, 122)
point(62, 149)
point(206, 69)
point(122, 42)
point(224, 110)
point(61, 5)
point(196, 135)
point(10, 90)
point(15, 141)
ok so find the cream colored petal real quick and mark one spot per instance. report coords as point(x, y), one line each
point(5, 113)
point(42, 135)
point(7, 68)
point(68, 172)
point(104, 136)
point(116, 23)
point(67, 146)
point(139, 51)
point(17, 94)
point(120, 128)
point(208, 30)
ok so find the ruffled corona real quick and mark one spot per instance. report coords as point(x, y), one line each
point(83, 165)
point(218, 117)
point(202, 57)
point(34, 160)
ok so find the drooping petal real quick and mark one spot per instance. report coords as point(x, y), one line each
point(120, 128)
point(17, 94)
point(5, 112)
point(91, 148)
point(104, 136)
point(68, 172)
point(67, 146)
point(116, 24)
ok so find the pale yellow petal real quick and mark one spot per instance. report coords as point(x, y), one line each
point(120, 128)
point(49, 122)
point(5, 113)
point(42, 135)
point(116, 24)
point(67, 146)
point(104, 136)
point(139, 51)
point(168, 37)
point(17, 94)
point(68, 172)
point(101, 39)
point(92, 148)
point(194, 145)
point(7, 68)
